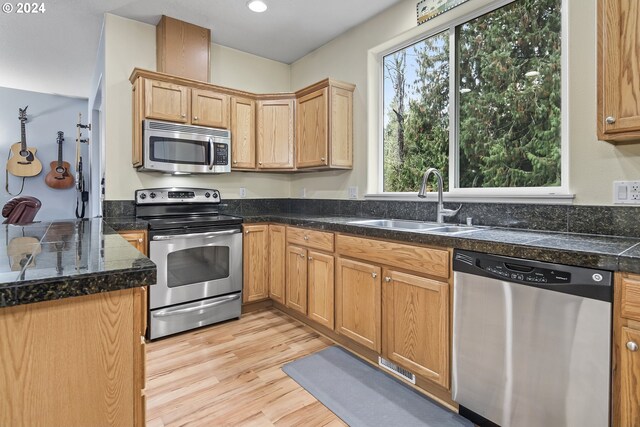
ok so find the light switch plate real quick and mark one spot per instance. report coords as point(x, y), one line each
point(303, 193)
point(626, 192)
point(353, 192)
point(243, 192)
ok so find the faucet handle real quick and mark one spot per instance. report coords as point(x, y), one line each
point(450, 212)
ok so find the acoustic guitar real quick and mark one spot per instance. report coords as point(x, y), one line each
point(59, 176)
point(23, 161)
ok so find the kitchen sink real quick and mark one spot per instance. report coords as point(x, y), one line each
point(418, 226)
point(397, 224)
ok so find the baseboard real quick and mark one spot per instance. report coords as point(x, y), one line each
point(250, 307)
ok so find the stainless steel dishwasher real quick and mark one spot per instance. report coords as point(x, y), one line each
point(531, 342)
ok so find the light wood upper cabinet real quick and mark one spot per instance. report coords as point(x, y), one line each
point(209, 108)
point(416, 324)
point(618, 70)
point(296, 295)
point(312, 126)
point(358, 302)
point(183, 49)
point(137, 100)
point(166, 101)
point(243, 141)
point(324, 126)
point(275, 134)
point(255, 263)
point(277, 264)
point(321, 288)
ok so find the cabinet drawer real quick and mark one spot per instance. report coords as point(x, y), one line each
point(310, 238)
point(631, 297)
point(434, 262)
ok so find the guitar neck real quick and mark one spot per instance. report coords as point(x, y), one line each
point(59, 153)
point(23, 135)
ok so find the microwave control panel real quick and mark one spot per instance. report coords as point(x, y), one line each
point(221, 154)
point(173, 195)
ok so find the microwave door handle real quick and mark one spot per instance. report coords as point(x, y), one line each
point(212, 152)
point(196, 235)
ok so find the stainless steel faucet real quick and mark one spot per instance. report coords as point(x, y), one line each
point(441, 212)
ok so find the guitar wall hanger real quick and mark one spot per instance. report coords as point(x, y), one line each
point(83, 193)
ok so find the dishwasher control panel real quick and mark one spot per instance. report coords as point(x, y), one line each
point(518, 272)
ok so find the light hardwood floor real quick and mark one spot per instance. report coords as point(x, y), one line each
point(230, 375)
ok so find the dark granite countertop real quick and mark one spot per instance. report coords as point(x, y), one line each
point(584, 250)
point(61, 259)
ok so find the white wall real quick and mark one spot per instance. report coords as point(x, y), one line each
point(593, 164)
point(130, 44)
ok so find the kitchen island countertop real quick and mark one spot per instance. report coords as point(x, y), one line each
point(61, 259)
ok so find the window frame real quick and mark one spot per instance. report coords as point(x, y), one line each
point(557, 194)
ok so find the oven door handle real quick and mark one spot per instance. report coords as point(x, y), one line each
point(212, 152)
point(195, 235)
point(219, 301)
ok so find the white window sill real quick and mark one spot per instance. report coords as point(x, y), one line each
point(551, 199)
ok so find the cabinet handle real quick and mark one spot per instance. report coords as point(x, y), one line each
point(374, 275)
point(259, 163)
point(610, 120)
point(310, 258)
point(387, 279)
point(140, 240)
point(301, 255)
point(306, 237)
point(632, 346)
point(246, 232)
point(235, 162)
point(195, 118)
point(322, 159)
point(183, 115)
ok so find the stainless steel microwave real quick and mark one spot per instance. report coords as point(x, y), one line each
point(184, 149)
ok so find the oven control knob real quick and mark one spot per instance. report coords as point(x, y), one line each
point(143, 196)
point(207, 194)
point(215, 195)
point(152, 195)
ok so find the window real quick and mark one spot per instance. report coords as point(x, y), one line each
point(501, 126)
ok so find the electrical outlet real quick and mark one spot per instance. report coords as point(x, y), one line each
point(243, 192)
point(303, 193)
point(353, 192)
point(626, 192)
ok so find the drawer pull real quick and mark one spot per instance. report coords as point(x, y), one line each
point(387, 279)
point(306, 237)
point(183, 115)
point(195, 118)
point(301, 255)
point(632, 346)
point(310, 258)
point(610, 120)
point(246, 232)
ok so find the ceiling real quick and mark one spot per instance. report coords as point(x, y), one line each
point(55, 51)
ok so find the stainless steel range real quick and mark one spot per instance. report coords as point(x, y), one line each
point(199, 257)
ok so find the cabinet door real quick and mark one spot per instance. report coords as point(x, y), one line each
point(166, 101)
point(630, 378)
point(341, 128)
point(416, 324)
point(296, 292)
point(277, 269)
point(618, 72)
point(311, 125)
point(275, 134)
point(243, 141)
point(358, 304)
point(209, 108)
point(321, 289)
point(138, 238)
point(255, 263)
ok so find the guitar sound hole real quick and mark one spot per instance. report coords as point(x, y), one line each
point(27, 154)
point(60, 170)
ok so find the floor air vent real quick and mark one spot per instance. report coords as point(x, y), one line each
point(392, 367)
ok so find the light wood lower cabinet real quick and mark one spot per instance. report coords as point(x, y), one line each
point(74, 362)
point(626, 351)
point(321, 288)
point(277, 262)
point(137, 238)
point(297, 279)
point(415, 313)
point(255, 263)
point(358, 302)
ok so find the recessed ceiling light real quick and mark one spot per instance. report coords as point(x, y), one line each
point(257, 5)
point(532, 74)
